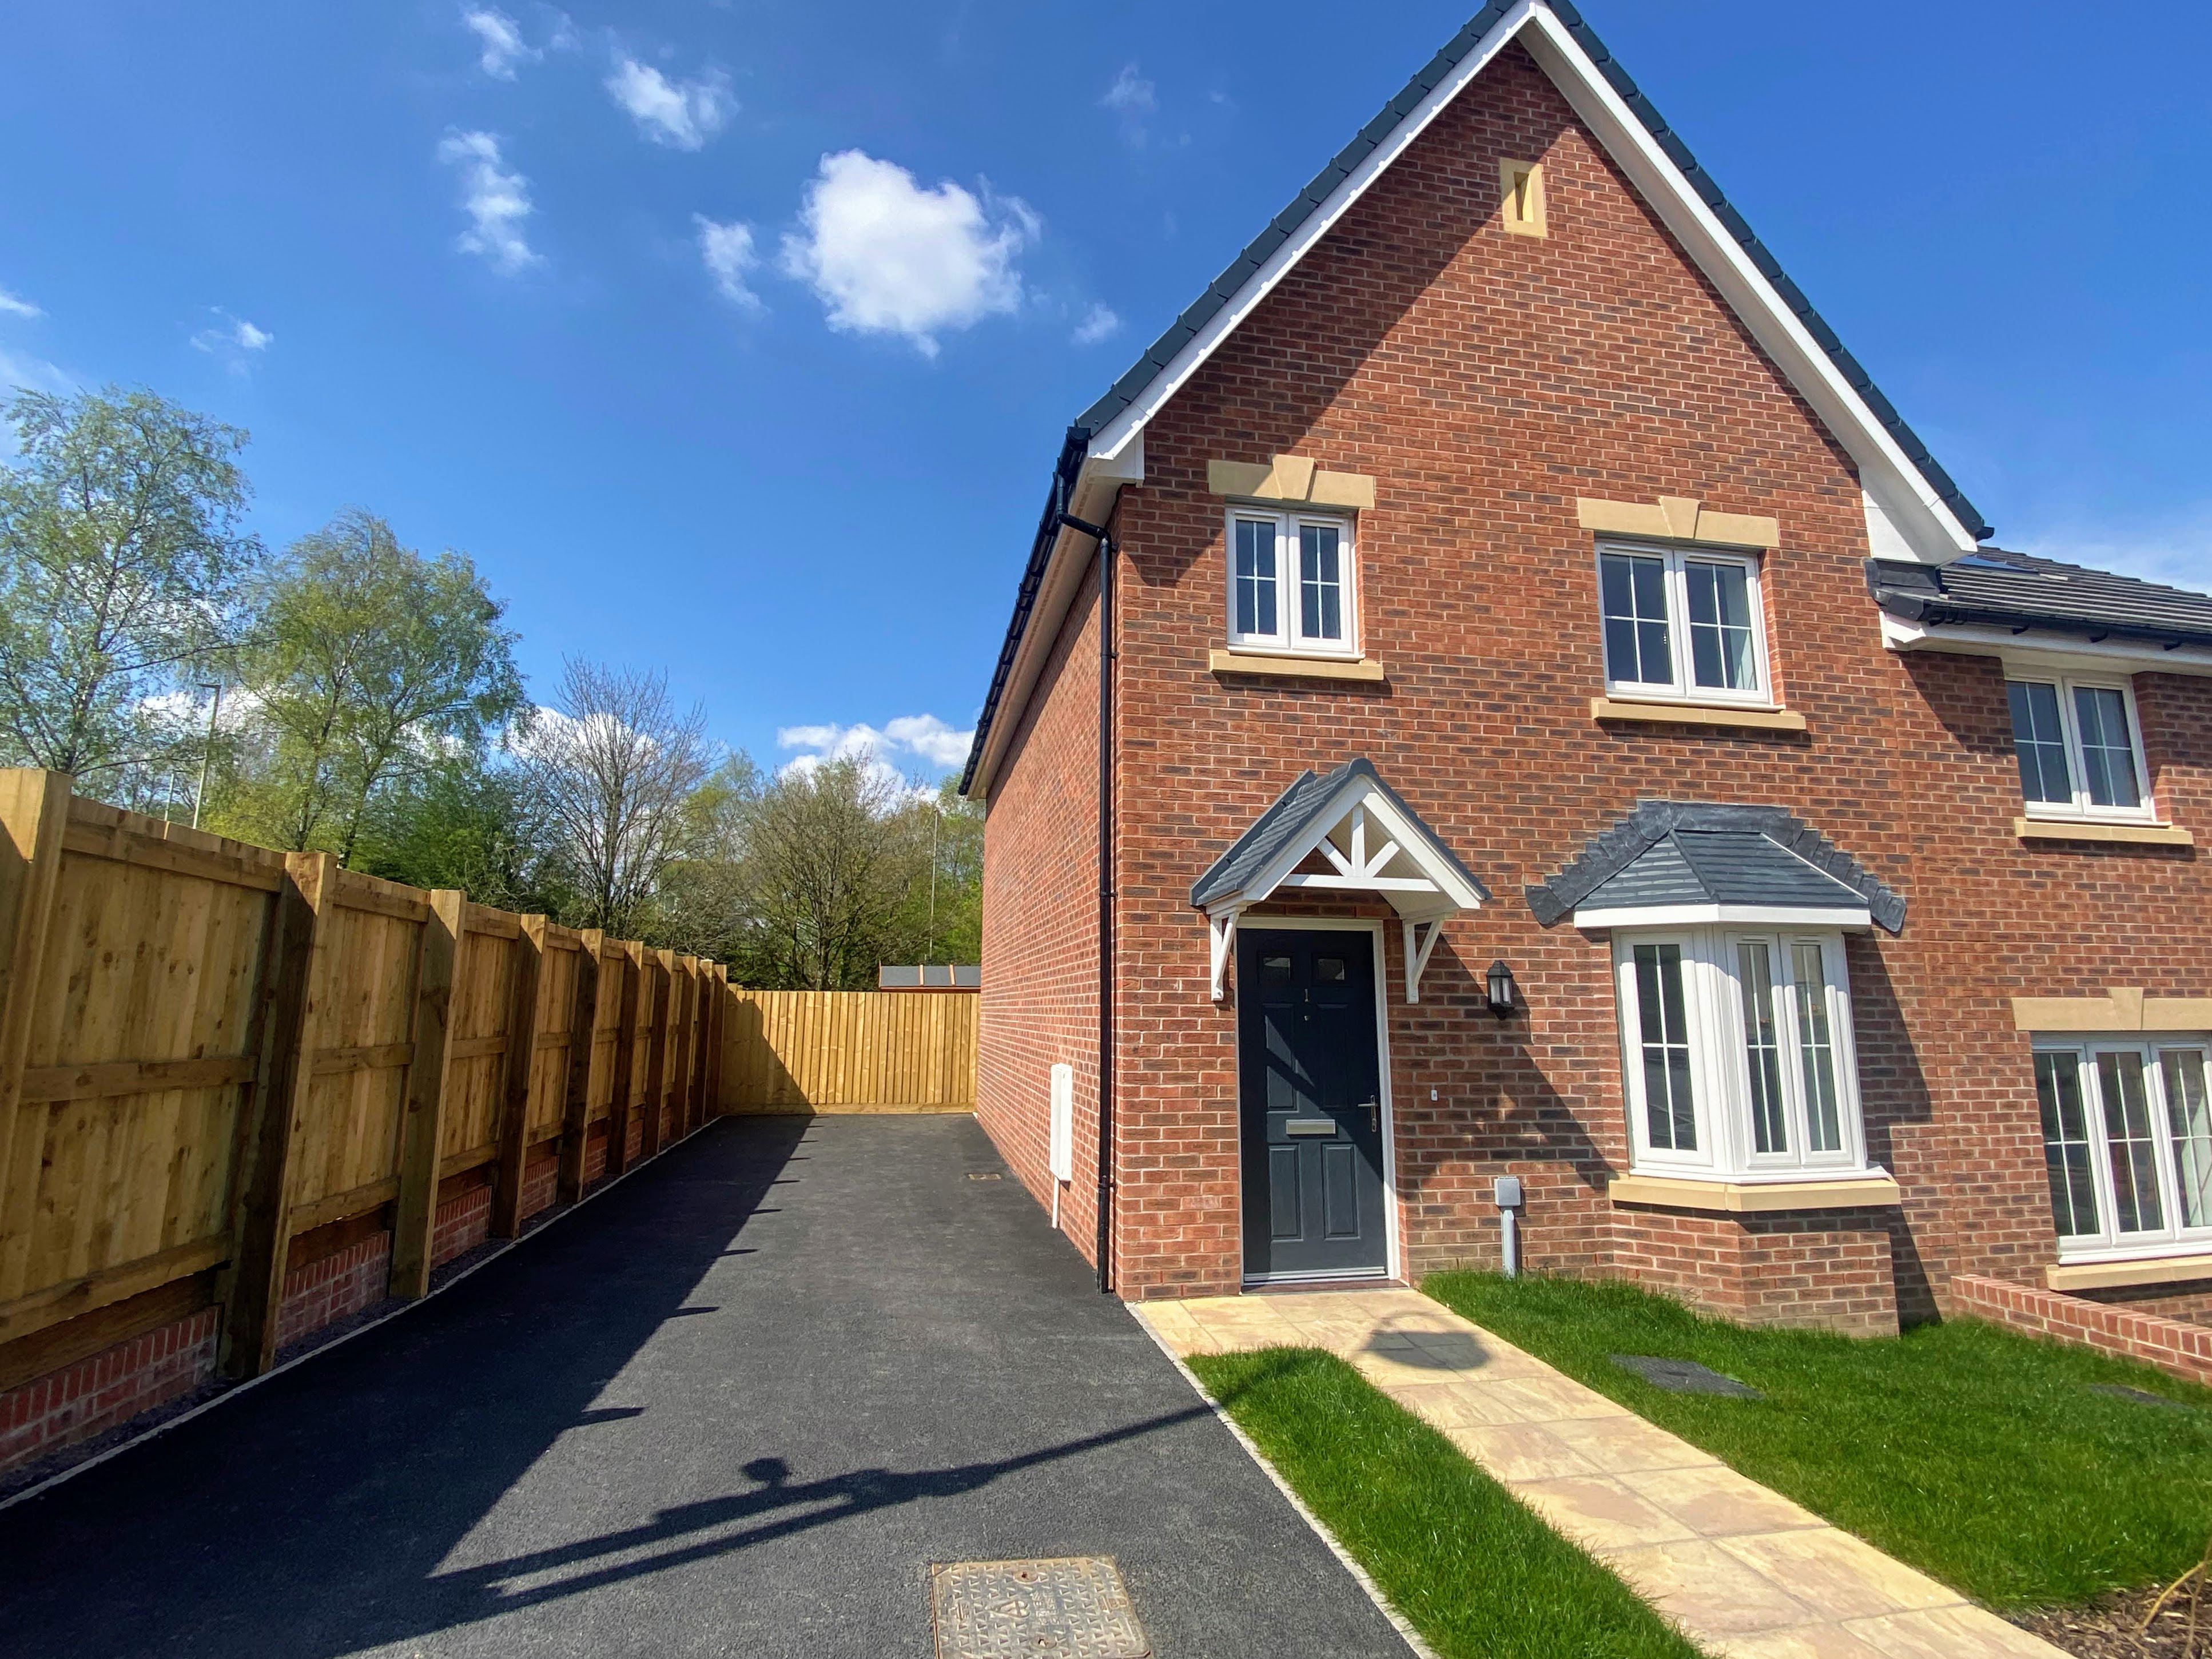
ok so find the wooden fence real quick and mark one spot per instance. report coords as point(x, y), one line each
point(853, 1051)
point(209, 1051)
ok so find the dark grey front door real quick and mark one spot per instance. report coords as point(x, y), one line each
point(1311, 1109)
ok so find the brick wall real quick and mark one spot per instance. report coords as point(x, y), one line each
point(337, 1287)
point(463, 1222)
point(538, 1183)
point(1486, 380)
point(109, 1387)
point(2171, 1345)
point(1829, 1270)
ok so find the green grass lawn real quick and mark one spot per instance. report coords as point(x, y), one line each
point(1983, 1457)
point(1477, 1574)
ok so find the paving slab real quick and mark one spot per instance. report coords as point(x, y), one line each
point(739, 1405)
point(1743, 1571)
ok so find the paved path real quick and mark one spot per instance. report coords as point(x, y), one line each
point(1744, 1571)
point(736, 1406)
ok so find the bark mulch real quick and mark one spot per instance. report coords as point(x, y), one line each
point(2107, 1627)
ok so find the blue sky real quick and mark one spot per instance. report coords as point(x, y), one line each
point(598, 295)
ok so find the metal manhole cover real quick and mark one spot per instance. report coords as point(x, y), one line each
point(1073, 1608)
point(1683, 1376)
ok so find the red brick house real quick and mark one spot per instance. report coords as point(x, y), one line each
point(1560, 724)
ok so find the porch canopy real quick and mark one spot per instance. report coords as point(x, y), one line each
point(1695, 863)
point(1345, 832)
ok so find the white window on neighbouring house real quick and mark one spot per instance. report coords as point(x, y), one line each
point(1683, 625)
point(1291, 583)
point(2127, 1143)
point(1740, 1053)
point(2079, 749)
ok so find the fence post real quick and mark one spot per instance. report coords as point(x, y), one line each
point(526, 1018)
point(629, 988)
point(702, 997)
point(423, 1128)
point(656, 1053)
point(33, 820)
point(261, 1228)
point(719, 1002)
point(685, 1000)
point(583, 1044)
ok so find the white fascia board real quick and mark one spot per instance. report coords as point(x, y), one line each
point(1727, 915)
point(1096, 489)
point(1413, 843)
point(1261, 282)
point(2042, 650)
point(1925, 525)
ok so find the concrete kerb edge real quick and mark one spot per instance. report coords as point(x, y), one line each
point(484, 1260)
point(1372, 1590)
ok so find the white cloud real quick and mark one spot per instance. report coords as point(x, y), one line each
point(233, 339)
point(887, 257)
point(496, 200)
point(15, 307)
point(922, 738)
point(682, 114)
point(1098, 323)
point(1134, 100)
point(727, 250)
point(500, 37)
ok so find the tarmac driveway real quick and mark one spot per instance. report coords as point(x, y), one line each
point(737, 1405)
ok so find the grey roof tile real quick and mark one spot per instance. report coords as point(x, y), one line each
point(1997, 588)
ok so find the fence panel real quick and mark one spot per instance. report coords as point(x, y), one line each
point(826, 1051)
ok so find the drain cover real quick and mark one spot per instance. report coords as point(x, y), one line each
point(985, 1175)
point(1683, 1376)
point(1073, 1608)
point(2139, 1396)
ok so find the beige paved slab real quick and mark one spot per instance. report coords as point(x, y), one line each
point(1744, 1573)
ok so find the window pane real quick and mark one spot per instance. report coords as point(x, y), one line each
point(1670, 1117)
point(2038, 742)
point(1274, 970)
point(2108, 754)
point(1762, 1046)
point(1255, 576)
point(2136, 1207)
point(2066, 1145)
point(1329, 970)
point(2189, 1117)
point(1816, 1050)
point(1634, 593)
point(1720, 626)
point(1320, 583)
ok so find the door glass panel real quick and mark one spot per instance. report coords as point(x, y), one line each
point(1633, 591)
point(2189, 1115)
point(1721, 653)
point(1816, 1051)
point(2066, 1145)
point(1762, 1046)
point(1670, 1115)
point(2128, 1141)
point(1329, 970)
point(1321, 582)
point(2108, 753)
point(2038, 742)
point(1256, 577)
point(1274, 970)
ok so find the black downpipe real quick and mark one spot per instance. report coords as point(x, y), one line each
point(1105, 538)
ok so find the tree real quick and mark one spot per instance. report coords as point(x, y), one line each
point(371, 665)
point(463, 824)
point(616, 767)
point(121, 569)
point(944, 912)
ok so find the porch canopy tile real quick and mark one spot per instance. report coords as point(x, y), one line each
point(1696, 861)
point(1367, 840)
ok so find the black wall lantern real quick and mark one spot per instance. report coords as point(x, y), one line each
point(1501, 990)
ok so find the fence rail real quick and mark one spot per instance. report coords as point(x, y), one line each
point(209, 1052)
point(850, 1051)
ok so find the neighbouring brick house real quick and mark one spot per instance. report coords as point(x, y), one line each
point(1535, 642)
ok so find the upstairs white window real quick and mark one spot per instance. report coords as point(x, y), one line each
point(1739, 1051)
point(2127, 1143)
point(2079, 749)
point(1291, 583)
point(1683, 625)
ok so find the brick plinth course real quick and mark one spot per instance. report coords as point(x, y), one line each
point(1486, 381)
point(2171, 1345)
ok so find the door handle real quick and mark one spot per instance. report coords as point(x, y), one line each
point(1374, 1115)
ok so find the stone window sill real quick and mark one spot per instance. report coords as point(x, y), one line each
point(1698, 713)
point(2102, 1275)
point(2144, 834)
point(1754, 1198)
point(1281, 666)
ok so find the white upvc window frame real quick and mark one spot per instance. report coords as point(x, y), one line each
point(1288, 638)
point(2109, 1242)
point(1720, 1076)
point(2077, 772)
point(1683, 687)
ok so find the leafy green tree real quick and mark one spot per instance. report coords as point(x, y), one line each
point(122, 567)
point(465, 823)
point(371, 665)
point(944, 911)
